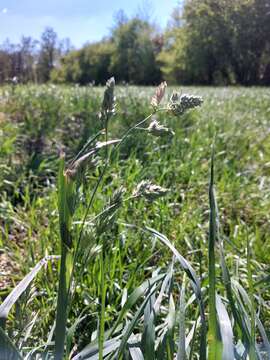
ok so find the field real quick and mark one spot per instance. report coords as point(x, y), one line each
point(127, 238)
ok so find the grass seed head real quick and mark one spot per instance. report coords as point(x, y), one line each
point(79, 166)
point(157, 129)
point(178, 103)
point(148, 190)
point(108, 105)
point(107, 216)
point(160, 92)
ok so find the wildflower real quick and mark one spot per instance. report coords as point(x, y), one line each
point(148, 190)
point(160, 91)
point(178, 103)
point(157, 129)
point(108, 104)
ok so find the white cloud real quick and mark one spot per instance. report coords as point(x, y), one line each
point(4, 11)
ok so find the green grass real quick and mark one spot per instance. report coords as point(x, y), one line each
point(139, 242)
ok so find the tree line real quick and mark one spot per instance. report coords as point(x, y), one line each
point(32, 60)
point(206, 42)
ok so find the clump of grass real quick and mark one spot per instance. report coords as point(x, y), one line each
point(67, 203)
point(162, 316)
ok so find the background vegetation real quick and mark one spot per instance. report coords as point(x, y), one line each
point(206, 42)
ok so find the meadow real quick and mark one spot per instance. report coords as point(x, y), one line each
point(176, 268)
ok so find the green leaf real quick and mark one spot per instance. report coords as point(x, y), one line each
point(92, 351)
point(171, 327)
point(65, 195)
point(195, 283)
point(148, 337)
point(133, 323)
point(8, 350)
point(133, 298)
point(214, 345)
point(11, 299)
point(225, 330)
point(136, 353)
point(181, 353)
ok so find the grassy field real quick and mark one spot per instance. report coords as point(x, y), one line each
point(128, 240)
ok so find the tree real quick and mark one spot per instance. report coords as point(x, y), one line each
point(65, 46)
point(88, 65)
point(218, 41)
point(48, 54)
point(134, 58)
point(26, 61)
point(27, 50)
point(129, 54)
point(4, 66)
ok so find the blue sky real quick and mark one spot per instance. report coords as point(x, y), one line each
point(80, 20)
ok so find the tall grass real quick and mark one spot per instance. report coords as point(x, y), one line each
point(122, 289)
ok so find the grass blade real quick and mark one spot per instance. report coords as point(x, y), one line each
point(102, 316)
point(8, 350)
point(214, 349)
point(252, 352)
point(133, 298)
point(65, 207)
point(92, 352)
point(239, 289)
point(11, 299)
point(195, 283)
point(135, 353)
point(181, 353)
point(148, 337)
point(133, 323)
point(171, 327)
point(238, 315)
point(225, 330)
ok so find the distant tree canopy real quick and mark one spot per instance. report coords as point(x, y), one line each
point(205, 42)
point(32, 60)
point(87, 65)
point(134, 53)
point(47, 54)
point(129, 54)
point(218, 41)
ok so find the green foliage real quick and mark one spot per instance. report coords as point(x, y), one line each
point(47, 55)
point(129, 287)
point(206, 42)
point(88, 65)
point(218, 41)
point(133, 46)
point(129, 54)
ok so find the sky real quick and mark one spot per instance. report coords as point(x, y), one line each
point(80, 20)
